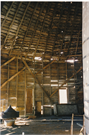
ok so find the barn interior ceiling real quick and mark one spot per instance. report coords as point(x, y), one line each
point(47, 38)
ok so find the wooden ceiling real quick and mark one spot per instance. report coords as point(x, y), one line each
point(34, 29)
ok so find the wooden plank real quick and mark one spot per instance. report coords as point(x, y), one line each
point(8, 62)
point(11, 25)
point(19, 27)
point(65, 82)
point(12, 77)
point(36, 79)
point(6, 15)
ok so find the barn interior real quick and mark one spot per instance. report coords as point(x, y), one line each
point(41, 63)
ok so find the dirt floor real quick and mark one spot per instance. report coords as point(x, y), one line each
point(42, 125)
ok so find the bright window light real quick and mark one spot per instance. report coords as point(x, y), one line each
point(54, 80)
point(38, 58)
point(71, 60)
point(63, 96)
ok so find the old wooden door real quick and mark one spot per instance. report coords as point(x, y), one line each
point(29, 101)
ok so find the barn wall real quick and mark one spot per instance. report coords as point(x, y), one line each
point(14, 92)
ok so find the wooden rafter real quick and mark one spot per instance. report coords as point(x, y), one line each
point(11, 26)
point(8, 62)
point(50, 27)
point(69, 9)
point(36, 79)
point(12, 77)
point(57, 30)
point(7, 15)
point(65, 82)
point(29, 25)
point(47, 8)
point(72, 27)
point(19, 27)
point(36, 26)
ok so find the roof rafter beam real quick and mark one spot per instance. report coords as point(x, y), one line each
point(12, 77)
point(19, 27)
point(72, 27)
point(35, 26)
point(36, 79)
point(29, 25)
point(11, 26)
point(65, 82)
point(58, 29)
point(47, 8)
point(50, 26)
point(6, 15)
point(8, 62)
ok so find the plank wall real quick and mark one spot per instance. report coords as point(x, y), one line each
point(14, 92)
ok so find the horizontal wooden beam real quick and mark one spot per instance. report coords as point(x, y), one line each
point(36, 79)
point(8, 62)
point(12, 77)
point(65, 82)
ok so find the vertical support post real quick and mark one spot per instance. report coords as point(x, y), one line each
point(8, 88)
point(42, 108)
point(16, 83)
point(67, 86)
point(34, 91)
point(72, 124)
point(25, 94)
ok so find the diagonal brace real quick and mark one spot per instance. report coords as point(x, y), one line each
point(65, 82)
point(36, 79)
point(12, 77)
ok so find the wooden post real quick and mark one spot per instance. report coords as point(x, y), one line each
point(17, 83)
point(25, 94)
point(72, 124)
point(8, 88)
point(34, 91)
point(42, 109)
